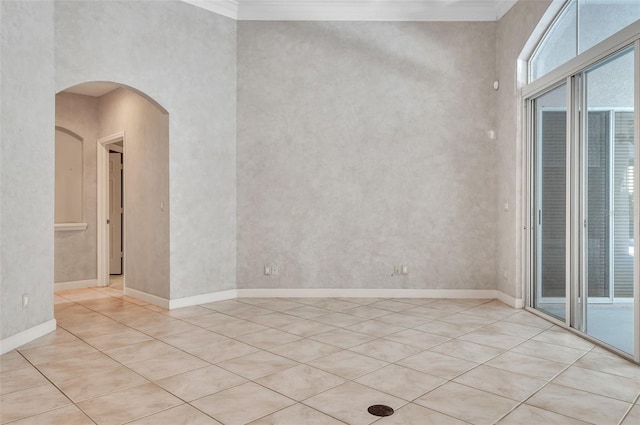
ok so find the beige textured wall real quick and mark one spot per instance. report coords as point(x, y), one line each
point(27, 90)
point(146, 173)
point(75, 251)
point(513, 32)
point(362, 145)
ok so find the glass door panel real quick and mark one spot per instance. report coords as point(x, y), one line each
point(549, 211)
point(607, 190)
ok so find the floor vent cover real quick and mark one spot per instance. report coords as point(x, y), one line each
point(380, 410)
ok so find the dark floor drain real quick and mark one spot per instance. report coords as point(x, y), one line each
point(380, 410)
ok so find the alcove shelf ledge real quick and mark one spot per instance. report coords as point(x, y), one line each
point(67, 227)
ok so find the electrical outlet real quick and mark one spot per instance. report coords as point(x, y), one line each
point(275, 269)
point(267, 270)
point(397, 269)
point(25, 300)
point(405, 269)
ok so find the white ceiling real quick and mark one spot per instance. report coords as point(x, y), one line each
point(95, 89)
point(358, 10)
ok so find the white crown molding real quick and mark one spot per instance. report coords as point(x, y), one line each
point(358, 10)
point(228, 8)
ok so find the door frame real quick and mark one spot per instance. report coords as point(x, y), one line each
point(102, 165)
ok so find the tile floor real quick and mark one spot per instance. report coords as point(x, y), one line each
point(311, 361)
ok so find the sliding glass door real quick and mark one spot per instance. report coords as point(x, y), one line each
point(608, 199)
point(583, 205)
point(550, 135)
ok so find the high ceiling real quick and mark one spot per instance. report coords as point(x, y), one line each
point(358, 10)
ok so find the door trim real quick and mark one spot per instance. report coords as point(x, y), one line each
point(102, 163)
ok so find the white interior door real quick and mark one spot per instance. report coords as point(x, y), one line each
point(115, 213)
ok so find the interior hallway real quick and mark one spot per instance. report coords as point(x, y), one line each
point(323, 361)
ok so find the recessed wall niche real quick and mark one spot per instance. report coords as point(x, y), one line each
point(69, 168)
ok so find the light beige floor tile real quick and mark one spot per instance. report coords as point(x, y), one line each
point(348, 364)
point(529, 415)
point(181, 313)
point(141, 351)
point(129, 404)
point(195, 339)
point(225, 349)
point(249, 311)
point(491, 311)
point(180, 415)
point(275, 320)
point(334, 304)
point(170, 328)
point(375, 328)
point(404, 320)
point(441, 328)
point(211, 319)
point(29, 402)
point(298, 414)
point(467, 404)
point(401, 382)
point(268, 338)
point(361, 301)
point(412, 414)
point(59, 336)
point(90, 328)
point(258, 300)
point(428, 312)
point(339, 319)
point(579, 404)
point(527, 365)
point(242, 404)
point(386, 350)
point(501, 382)
point(392, 305)
point(306, 328)
point(12, 361)
point(305, 350)
point(614, 386)
point(342, 338)
point(199, 383)
point(555, 353)
point(68, 415)
point(564, 338)
point(609, 363)
point(167, 365)
point(437, 364)
point(257, 365)
point(633, 417)
point(308, 312)
point(417, 338)
point(368, 312)
point(523, 317)
point(20, 379)
point(117, 340)
point(225, 305)
point(100, 382)
point(492, 339)
point(513, 329)
point(237, 327)
point(468, 350)
point(278, 304)
point(450, 305)
point(77, 366)
point(349, 402)
point(467, 320)
point(51, 353)
point(300, 382)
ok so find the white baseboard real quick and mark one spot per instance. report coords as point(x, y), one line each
point(367, 293)
point(181, 302)
point(61, 286)
point(27, 336)
point(149, 298)
point(509, 300)
point(203, 299)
